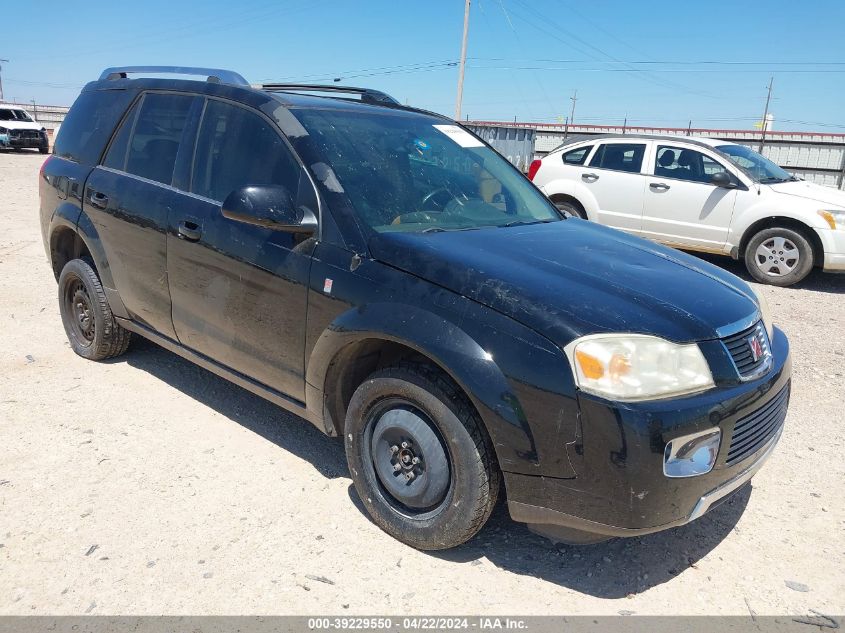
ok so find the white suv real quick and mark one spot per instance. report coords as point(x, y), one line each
point(700, 194)
point(19, 130)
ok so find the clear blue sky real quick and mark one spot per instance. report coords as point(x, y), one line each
point(637, 59)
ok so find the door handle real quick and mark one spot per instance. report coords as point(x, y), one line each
point(659, 186)
point(99, 200)
point(589, 177)
point(189, 231)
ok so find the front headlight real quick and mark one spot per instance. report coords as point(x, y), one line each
point(765, 314)
point(834, 217)
point(634, 367)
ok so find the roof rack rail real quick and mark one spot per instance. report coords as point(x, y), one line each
point(367, 94)
point(214, 75)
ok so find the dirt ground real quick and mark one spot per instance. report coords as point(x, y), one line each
point(149, 486)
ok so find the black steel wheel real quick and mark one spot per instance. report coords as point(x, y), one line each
point(89, 323)
point(409, 460)
point(420, 458)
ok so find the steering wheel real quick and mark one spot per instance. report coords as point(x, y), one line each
point(431, 194)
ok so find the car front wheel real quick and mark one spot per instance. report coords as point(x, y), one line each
point(779, 256)
point(420, 458)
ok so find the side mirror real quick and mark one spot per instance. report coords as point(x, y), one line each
point(722, 179)
point(270, 206)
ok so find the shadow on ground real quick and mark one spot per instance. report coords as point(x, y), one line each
point(614, 569)
point(287, 431)
point(816, 281)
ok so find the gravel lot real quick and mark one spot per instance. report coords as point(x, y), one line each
point(147, 485)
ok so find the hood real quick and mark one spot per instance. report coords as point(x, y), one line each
point(571, 278)
point(811, 191)
point(21, 125)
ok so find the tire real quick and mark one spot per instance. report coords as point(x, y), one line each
point(89, 323)
point(454, 485)
point(779, 256)
point(44, 149)
point(570, 209)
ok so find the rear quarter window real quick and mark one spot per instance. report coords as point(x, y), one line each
point(89, 125)
point(576, 156)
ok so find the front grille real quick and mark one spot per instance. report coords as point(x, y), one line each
point(25, 135)
point(753, 431)
point(739, 346)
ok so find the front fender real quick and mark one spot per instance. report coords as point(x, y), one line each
point(529, 426)
point(769, 207)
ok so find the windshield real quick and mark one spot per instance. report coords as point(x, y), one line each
point(758, 167)
point(411, 172)
point(7, 114)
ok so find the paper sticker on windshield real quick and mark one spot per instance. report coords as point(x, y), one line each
point(461, 137)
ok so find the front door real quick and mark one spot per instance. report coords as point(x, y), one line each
point(239, 291)
point(681, 207)
point(614, 178)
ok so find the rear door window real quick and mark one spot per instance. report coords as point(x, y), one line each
point(116, 154)
point(237, 147)
point(156, 136)
point(576, 156)
point(619, 157)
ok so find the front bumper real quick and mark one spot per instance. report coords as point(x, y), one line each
point(620, 489)
point(833, 242)
point(25, 139)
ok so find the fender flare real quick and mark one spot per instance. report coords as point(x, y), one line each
point(70, 217)
point(445, 344)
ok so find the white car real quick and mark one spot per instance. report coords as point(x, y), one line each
point(19, 130)
point(700, 194)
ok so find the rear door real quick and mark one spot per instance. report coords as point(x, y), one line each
point(128, 198)
point(239, 290)
point(681, 207)
point(613, 175)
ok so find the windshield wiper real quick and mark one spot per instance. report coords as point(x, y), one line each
point(525, 223)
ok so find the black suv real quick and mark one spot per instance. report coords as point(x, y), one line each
point(385, 274)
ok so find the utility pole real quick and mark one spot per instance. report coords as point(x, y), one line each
point(463, 64)
point(765, 117)
point(573, 98)
point(1, 78)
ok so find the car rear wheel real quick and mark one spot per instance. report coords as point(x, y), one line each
point(420, 458)
point(89, 323)
point(779, 256)
point(570, 209)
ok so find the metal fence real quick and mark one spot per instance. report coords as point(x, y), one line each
point(48, 116)
point(815, 157)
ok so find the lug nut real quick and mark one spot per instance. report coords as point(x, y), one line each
point(416, 460)
point(405, 445)
point(397, 467)
point(394, 449)
point(409, 475)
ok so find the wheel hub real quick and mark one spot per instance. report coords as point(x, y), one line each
point(777, 256)
point(81, 312)
point(409, 458)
